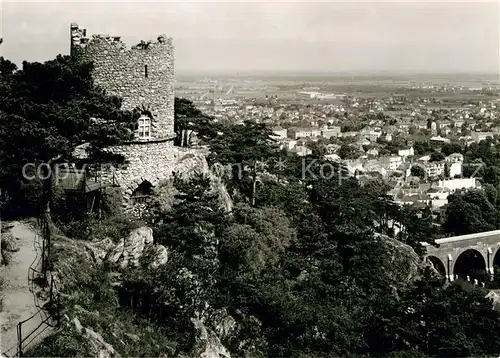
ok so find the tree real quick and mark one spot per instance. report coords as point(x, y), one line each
point(437, 321)
point(196, 207)
point(491, 193)
point(491, 175)
point(188, 120)
point(349, 152)
point(451, 148)
point(318, 149)
point(418, 171)
point(256, 240)
point(422, 147)
point(246, 149)
point(417, 226)
point(469, 212)
point(486, 151)
point(191, 229)
point(437, 157)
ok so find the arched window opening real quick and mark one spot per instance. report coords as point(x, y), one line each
point(144, 127)
point(142, 192)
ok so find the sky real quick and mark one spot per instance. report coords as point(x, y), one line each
point(247, 36)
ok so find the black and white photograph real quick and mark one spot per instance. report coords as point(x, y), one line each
point(249, 178)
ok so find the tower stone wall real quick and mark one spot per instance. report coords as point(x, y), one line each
point(143, 76)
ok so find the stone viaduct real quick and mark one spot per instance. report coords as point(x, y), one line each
point(455, 256)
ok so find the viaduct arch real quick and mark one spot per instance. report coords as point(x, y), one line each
point(473, 254)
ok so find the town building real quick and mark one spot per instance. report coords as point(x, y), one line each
point(455, 158)
point(332, 157)
point(301, 150)
point(373, 152)
point(280, 132)
point(333, 131)
point(458, 184)
point(348, 134)
point(287, 143)
point(479, 136)
point(435, 169)
point(391, 162)
point(440, 140)
point(308, 95)
point(296, 133)
point(406, 152)
point(454, 169)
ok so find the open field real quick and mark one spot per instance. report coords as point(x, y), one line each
point(458, 90)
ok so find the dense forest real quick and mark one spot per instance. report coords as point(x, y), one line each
point(306, 265)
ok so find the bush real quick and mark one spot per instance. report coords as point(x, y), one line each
point(90, 288)
point(90, 227)
point(66, 343)
point(112, 201)
point(116, 227)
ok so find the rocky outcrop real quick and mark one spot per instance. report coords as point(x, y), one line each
point(156, 255)
point(129, 250)
point(404, 263)
point(99, 347)
point(98, 250)
point(189, 164)
point(495, 300)
point(224, 324)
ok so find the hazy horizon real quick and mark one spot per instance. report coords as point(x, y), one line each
point(255, 38)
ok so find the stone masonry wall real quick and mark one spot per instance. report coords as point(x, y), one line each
point(122, 72)
point(152, 162)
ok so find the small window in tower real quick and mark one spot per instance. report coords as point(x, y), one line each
point(144, 128)
point(146, 71)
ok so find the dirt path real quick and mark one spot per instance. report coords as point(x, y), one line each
point(19, 301)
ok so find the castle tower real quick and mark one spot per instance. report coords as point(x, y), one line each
point(143, 76)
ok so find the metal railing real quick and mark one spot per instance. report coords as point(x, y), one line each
point(49, 309)
point(46, 318)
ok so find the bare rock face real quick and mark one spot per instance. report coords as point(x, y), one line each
point(404, 265)
point(207, 344)
point(127, 252)
point(116, 253)
point(218, 187)
point(495, 300)
point(185, 168)
point(130, 250)
point(224, 324)
point(157, 255)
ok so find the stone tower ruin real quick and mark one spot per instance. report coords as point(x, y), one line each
point(143, 76)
